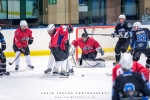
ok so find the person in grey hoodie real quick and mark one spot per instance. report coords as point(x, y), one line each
point(146, 17)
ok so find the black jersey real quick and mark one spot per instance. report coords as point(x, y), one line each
point(130, 84)
point(140, 38)
point(121, 29)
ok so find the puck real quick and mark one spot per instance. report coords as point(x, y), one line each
point(82, 75)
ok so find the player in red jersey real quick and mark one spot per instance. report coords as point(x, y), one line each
point(89, 47)
point(136, 67)
point(57, 45)
point(23, 38)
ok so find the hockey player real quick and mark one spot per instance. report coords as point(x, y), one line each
point(139, 43)
point(136, 67)
point(130, 85)
point(51, 62)
point(59, 37)
point(2, 56)
point(122, 30)
point(23, 38)
point(89, 47)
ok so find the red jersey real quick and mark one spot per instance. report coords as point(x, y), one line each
point(21, 37)
point(59, 38)
point(89, 46)
point(137, 67)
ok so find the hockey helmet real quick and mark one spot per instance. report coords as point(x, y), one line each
point(50, 28)
point(126, 61)
point(122, 16)
point(137, 24)
point(23, 23)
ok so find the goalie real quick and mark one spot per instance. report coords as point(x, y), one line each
point(89, 47)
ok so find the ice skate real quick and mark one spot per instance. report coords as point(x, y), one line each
point(17, 67)
point(30, 66)
point(55, 72)
point(6, 73)
point(71, 72)
point(48, 71)
point(63, 74)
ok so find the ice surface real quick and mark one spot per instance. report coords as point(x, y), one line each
point(29, 84)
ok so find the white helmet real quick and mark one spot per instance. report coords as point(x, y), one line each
point(126, 61)
point(122, 16)
point(50, 27)
point(137, 24)
point(23, 23)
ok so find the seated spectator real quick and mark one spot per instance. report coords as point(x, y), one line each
point(146, 17)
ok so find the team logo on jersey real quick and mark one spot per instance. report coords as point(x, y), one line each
point(129, 25)
point(140, 44)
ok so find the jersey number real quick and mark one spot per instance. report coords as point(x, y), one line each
point(129, 87)
point(119, 71)
point(141, 37)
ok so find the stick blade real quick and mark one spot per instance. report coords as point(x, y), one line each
point(10, 63)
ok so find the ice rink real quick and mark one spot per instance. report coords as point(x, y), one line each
point(29, 84)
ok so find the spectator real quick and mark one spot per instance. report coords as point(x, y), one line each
point(146, 16)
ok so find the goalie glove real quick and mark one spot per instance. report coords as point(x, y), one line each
point(100, 50)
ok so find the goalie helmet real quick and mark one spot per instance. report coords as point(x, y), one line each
point(122, 16)
point(137, 24)
point(50, 28)
point(126, 61)
point(23, 23)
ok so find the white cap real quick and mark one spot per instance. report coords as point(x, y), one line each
point(23, 23)
point(137, 24)
point(50, 27)
point(126, 61)
point(122, 16)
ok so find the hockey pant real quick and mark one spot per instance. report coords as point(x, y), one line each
point(3, 63)
point(121, 46)
point(137, 54)
point(27, 55)
point(59, 54)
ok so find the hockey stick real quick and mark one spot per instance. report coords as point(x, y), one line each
point(14, 60)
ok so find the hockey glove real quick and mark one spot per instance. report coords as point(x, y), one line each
point(22, 50)
point(3, 45)
point(100, 50)
point(113, 35)
point(30, 41)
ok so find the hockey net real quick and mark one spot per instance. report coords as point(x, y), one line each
point(107, 42)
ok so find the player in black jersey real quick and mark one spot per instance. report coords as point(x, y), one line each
point(140, 42)
point(130, 85)
point(122, 30)
point(2, 56)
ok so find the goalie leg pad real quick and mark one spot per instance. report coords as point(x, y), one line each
point(59, 54)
